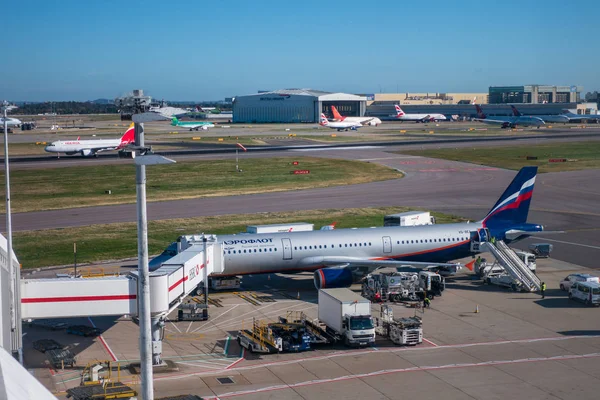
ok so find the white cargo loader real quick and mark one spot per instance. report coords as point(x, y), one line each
point(409, 218)
point(274, 228)
point(347, 315)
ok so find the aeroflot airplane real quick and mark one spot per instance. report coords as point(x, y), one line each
point(91, 147)
point(340, 257)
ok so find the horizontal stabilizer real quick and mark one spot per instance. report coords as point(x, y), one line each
point(515, 233)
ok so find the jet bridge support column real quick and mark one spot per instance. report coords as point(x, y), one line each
point(157, 326)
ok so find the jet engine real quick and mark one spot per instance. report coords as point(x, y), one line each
point(86, 152)
point(333, 278)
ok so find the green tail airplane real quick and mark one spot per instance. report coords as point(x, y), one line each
point(192, 125)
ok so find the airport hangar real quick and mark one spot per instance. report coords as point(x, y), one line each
point(295, 105)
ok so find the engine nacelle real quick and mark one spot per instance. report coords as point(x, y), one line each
point(86, 152)
point(333, 278)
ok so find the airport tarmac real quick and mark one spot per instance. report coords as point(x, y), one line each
point(517, 345)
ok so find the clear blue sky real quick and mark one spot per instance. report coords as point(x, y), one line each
point(208, 50)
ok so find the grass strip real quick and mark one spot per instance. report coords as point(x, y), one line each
point(38, 189)
point(578, 155)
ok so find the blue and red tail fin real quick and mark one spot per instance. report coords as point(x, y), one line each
point(480, 113)
point(512, 207)
point(516, 112)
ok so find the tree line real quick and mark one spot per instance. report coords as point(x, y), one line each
point(66, 107)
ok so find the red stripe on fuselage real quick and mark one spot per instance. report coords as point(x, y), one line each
point(79, 298)
point(421, 252)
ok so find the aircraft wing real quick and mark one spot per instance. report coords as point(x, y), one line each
point(366, 120)
point(490, 121)
point(516, 233)
point(583, 116)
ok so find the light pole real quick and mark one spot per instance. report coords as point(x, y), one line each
point(14, 272)
point(150, 350)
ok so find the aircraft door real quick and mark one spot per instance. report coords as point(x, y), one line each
point(287, 248)
point(387, 244)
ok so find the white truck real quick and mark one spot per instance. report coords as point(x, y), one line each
point(409, 218)
point(347, 316)
point(274, 228)
point(401, 286)
point(402, 331)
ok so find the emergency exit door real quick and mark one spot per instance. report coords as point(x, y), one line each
point(387, 244)
point(287, 249)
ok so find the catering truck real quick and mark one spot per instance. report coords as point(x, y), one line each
point(347, 316)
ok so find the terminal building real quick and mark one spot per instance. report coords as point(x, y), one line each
point(295, 105)
point(534, 94)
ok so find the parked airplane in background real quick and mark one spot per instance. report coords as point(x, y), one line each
point(91, 147)
point(507, 122)
point(340, 126)
point(372, 121)
point(10, 122)
point(579, 117)
point(402, 116)
point(340, 257)
point(546, 118)
point(192, 125)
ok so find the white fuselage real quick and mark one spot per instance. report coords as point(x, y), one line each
point(83, 146)
point(10, 121)
point(343, 125)
point(420, 117)
point(372, 121)
point(308, 251)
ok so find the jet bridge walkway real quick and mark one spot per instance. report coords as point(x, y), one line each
point(513, 265)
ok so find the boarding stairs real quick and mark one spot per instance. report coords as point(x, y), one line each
point(513, 265)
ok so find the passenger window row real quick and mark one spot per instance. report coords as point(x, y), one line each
point(270, 249)
point(324, 246)
point(430, 240)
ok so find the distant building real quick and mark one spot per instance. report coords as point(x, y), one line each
point(534, 94)
point(295, 105)
point(427, 98)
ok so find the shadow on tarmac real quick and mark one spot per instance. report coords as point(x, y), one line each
point(589, 332)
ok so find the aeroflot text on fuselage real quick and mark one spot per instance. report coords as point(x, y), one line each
point(247, 241)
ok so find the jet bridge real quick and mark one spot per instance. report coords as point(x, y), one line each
point(177, 278)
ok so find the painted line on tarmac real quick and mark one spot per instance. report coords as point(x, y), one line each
point(403, 349)
point(175, 326)
point(242, 357)
point(430, 342)
point(574, 244)
point(189, 326)
point(106, 346)
point(212, 320)
point(351, 353)
point(235, 320)
point(401, 370)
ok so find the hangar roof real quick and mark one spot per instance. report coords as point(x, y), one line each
point(322, 95)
